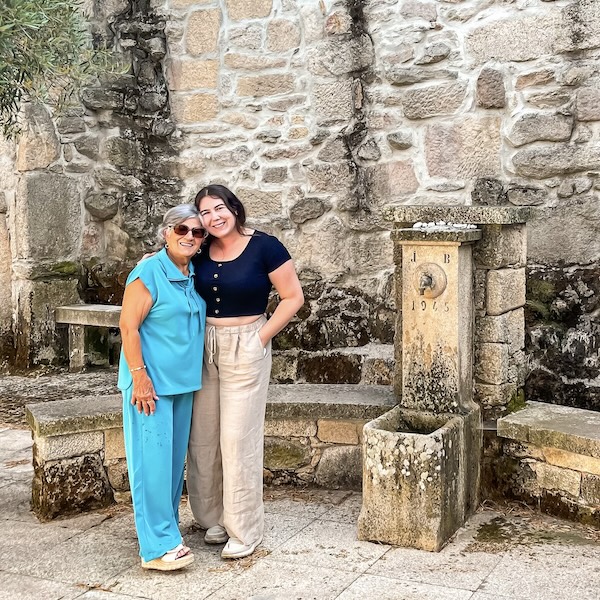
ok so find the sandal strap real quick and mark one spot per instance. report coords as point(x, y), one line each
point(173, 555)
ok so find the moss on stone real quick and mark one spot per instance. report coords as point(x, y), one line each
point(52, 270)
point(541, 290)
point(283, 454)
point(540, 295)
point(65, 268)
point(539, 308)
point(517, 401)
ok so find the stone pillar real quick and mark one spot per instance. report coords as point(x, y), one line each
point(46, 225)
point(498, 297)
point(7, 199)
point(421, 460)
point(437, 319)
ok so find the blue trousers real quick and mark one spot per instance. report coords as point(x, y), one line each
point(155, 447)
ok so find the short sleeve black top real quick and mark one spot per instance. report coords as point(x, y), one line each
point(240, 287)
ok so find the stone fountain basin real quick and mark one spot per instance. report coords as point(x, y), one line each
point(420, 471)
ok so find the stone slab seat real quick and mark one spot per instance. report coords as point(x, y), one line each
point(99, 315)
point(80, 316)
point(552, 460)
point(79, 456)
point(75, 415)
point(343, 401)
point(552, 426)
point(93, 413)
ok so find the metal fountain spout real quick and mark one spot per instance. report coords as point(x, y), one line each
point(425, 283)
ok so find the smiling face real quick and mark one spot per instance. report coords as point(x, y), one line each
point(218, 220)
point(183, 247)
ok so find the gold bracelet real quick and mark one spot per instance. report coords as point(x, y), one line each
point(137, 369)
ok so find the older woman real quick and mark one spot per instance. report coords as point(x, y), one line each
point(162, 328)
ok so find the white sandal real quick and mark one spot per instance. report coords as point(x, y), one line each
point(171, 560)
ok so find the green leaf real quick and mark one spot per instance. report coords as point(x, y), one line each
point(45, 45)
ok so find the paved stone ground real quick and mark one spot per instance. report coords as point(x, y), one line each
point(310, 552)
point(45, 385)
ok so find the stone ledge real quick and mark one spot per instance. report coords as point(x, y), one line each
point(403, 215)
point(94, 413)
point(99, 315)
point(549, 425)
point(449, 236)
point(75, 415)
point(343, 401)
point(79, 457)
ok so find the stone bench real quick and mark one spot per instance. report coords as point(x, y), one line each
point(313, 434)
point(552, 459)
point(80, 316)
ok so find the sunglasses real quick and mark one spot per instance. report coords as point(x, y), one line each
point(197, 232)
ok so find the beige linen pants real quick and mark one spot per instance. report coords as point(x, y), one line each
point(225, 452)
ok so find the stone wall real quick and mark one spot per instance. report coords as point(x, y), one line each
point(551, 460)
point(91, 184)
point(313, 435)
point(318, 114)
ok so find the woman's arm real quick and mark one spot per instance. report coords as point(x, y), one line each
point(137, 303)
point(286, 282)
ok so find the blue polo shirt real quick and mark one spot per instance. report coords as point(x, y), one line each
point(172, 334)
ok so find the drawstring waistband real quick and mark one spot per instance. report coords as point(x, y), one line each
point(211, 342)
point(214, 332)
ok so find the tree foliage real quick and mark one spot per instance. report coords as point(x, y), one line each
point(45, 54)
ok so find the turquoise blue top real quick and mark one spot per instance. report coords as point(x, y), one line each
point(172, 334)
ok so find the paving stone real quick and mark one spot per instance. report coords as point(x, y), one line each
point(102, 595)
point(20, 543)
point(24, 587)
point(67, 555)
point(384, 588)
point(16, 466)
point(330, 545)
point(437, 568)
point(120, 524)
point(15, 499)
point(548, 571)
point(345, 512)
point(207, 574)
point(264, 581)
point(279, 528)
point(303, 505)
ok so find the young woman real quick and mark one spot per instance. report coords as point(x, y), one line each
point(235, 273)
point(162, 329)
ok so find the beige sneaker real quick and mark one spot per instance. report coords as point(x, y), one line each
point(235, 549)
point(216, 535)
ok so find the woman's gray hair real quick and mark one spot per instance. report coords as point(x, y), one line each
point(175, 216)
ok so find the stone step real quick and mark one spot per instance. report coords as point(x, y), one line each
point(550, 425)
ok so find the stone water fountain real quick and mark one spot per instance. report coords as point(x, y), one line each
point(421, 460)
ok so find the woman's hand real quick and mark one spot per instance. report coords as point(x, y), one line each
point(147, 255)
point(143, 397)
point(291, 298)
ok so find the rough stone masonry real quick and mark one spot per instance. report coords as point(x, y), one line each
point(318, 114)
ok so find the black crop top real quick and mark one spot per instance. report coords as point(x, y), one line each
point(240, 287)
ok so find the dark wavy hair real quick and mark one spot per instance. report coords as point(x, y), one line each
point(231, 201)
